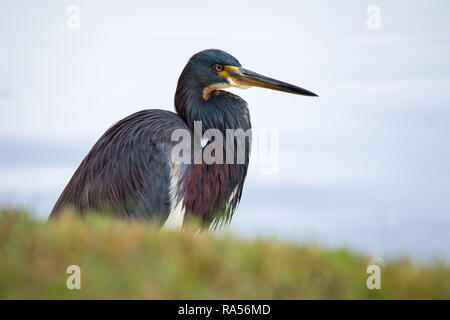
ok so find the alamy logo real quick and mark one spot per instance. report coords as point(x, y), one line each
point(374, 280)
point(373, 21)
point(74, 18)
point(74, 280)
point(229, 147)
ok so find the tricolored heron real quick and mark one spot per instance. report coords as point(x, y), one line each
point(130, 170)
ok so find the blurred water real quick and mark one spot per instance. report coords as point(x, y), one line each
point(348, 215)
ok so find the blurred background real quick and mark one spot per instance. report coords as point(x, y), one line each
point(366, 165)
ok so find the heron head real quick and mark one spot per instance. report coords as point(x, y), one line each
point(214, 69)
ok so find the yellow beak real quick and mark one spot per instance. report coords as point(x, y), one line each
point(241, 77)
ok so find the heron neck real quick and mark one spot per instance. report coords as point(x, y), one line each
point(211, 187)
point(222, 111)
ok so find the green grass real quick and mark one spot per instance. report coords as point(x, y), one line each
point(136, 261)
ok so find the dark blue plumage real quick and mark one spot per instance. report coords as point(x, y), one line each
point(127, 172)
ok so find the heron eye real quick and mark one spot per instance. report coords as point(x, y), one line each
point(218, 67)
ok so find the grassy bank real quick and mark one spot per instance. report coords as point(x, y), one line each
point(128, 261)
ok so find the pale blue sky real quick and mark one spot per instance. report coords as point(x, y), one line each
point(367, 164)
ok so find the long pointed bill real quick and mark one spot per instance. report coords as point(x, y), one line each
point(245, 78)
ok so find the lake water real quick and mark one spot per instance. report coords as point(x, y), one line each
point(360, 214)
